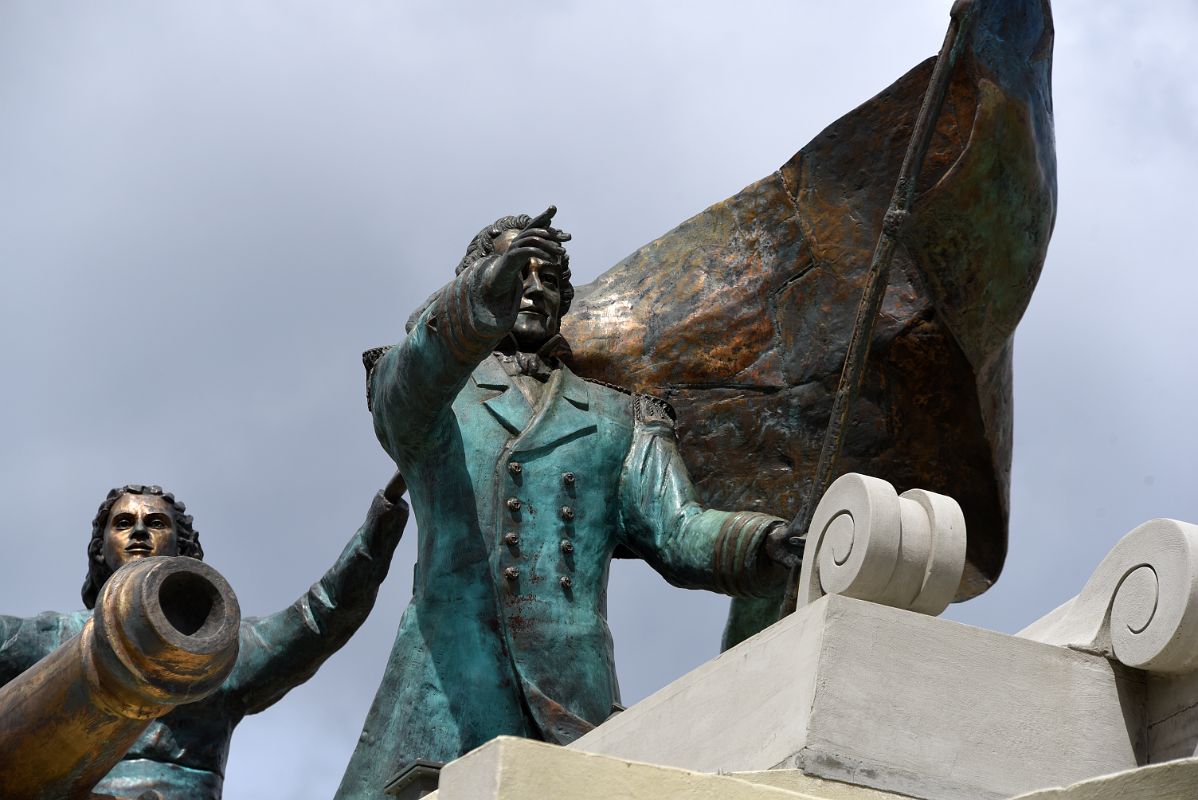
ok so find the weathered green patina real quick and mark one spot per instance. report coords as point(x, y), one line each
point(522, 497)
point(182, 755)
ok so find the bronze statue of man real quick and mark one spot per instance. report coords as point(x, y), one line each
point(182, 755)
point(526, 480)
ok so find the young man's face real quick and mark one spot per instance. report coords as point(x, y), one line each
point(139, 526)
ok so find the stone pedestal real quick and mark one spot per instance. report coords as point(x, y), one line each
point(874, 696)
point(852, 698)
point(1172, 717)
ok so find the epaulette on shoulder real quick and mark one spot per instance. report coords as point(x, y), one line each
point(369, 360)
point(617, 387)
point(649, 409)
point(645, 407)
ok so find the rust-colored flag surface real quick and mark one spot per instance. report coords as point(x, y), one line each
point(741, 315)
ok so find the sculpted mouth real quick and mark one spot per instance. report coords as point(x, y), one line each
point(138, 548)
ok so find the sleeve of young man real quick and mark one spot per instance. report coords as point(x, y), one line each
point(283, 650)
point(26, 640)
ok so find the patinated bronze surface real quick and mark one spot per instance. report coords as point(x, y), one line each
point(740, 316)
point(181, 755)
point(526, 478)
point(876, 281)
point(164, 632)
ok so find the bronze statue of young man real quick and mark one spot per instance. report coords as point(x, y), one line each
point(526, 479)
point(182, 755)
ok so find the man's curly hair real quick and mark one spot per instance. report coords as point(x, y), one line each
point(98, 572)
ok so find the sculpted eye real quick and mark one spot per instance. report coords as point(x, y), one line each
point(157, 522)
point(123, 521)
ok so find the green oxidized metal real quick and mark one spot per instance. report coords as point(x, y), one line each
point(519, 510)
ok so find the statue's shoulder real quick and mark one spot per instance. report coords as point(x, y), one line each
point(370, 360)
point(640, 408)
point(57, 624)
point(33, 638)
point(650, 410)
point(371, 357)
point(615, 388)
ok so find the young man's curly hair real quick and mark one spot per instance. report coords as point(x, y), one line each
point(98, 572)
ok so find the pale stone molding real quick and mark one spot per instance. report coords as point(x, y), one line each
point(1140, 607)
point(1177, 779)
point(508, 768)
point(868, 542)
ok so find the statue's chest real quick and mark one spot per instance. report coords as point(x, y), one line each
point(195, 735)
point(561, 470)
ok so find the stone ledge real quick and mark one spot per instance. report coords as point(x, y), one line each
point(874, 696)
point(1171, 781)
point(794, 781)
point(509, 768)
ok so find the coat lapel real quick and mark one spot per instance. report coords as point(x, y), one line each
point(564, 414)
point(508, 405)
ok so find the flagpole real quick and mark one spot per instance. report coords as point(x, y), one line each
point(877, 279)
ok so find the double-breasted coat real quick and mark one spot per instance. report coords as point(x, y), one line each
point(520, 506)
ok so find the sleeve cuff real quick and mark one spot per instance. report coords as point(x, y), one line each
point(739, 553)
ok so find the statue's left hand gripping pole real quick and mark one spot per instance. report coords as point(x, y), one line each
point(164, 632)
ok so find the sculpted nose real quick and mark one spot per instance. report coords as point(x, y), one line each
point(532, 284)
point(139, 530)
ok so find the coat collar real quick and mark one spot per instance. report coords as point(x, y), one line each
point(561, 415)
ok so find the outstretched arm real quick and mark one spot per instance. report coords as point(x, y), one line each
point(416, 381)
point(13, 655)
point(285, 649)
point(731, 552)
point(25, 641)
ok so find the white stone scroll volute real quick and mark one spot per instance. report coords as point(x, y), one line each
point(1140, 606)
point(868, 542)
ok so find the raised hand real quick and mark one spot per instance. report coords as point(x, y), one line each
point(393, 491)
point(537, 240)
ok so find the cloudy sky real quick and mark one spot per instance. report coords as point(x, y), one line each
point(208, 210)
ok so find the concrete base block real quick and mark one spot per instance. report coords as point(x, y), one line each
point(509, 768)
point(794, 781)
point(1172, 717)
point(1177, 780)
point(873, 696)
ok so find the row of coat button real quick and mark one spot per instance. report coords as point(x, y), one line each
point(516, 468)
point(511, 573)
point(511, 538)
point(514, 504)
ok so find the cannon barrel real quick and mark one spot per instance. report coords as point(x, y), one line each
point(164, 632)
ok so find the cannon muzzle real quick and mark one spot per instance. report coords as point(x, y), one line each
point(164, 632)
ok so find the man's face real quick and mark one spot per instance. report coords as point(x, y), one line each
point(540, 307)
point(139, 526)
